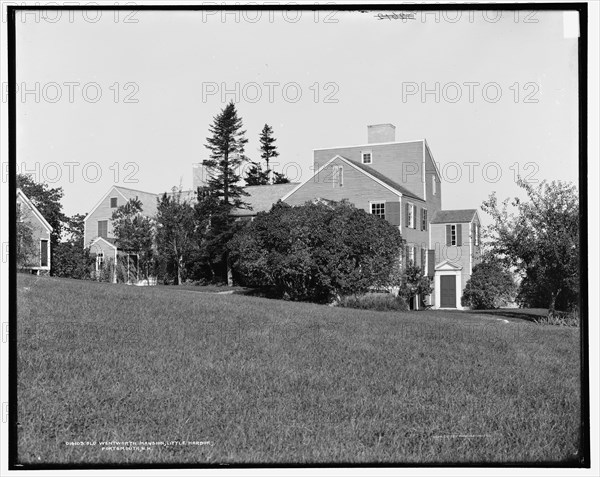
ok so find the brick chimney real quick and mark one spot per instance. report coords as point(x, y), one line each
point(381, 133)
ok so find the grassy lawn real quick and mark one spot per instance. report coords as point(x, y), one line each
point(251, 380)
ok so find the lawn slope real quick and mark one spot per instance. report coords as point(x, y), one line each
point(252, 380)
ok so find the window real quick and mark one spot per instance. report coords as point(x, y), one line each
point(43, 253)
point(99, 261)
point(378, 209)
point(411, 212)
point(410, 254)
point(454, 235)
point(103, 228)
point(423, 219)
point(113, 202)
point(433, 185)
point(338, 176)
point(476, 233)
point(367, 157)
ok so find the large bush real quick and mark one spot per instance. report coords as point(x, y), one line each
point(316, 252)
point(490, 286)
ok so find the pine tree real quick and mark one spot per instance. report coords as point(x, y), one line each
point(268, 149)
point(226, 145)
point(279, 178)
point(256, 176)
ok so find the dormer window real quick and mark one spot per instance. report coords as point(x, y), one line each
point(367, 157)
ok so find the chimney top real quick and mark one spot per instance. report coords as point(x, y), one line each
point(381, 133)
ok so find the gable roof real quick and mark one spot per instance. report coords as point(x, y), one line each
point(369, 172)
point(383, 178)
point(34, 209)
point(262, 198)
point(453, 216)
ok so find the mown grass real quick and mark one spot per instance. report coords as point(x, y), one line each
point(267, 381)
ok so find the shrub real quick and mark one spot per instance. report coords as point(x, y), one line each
point(374, 301)
point(316, 252)
point(490, 286)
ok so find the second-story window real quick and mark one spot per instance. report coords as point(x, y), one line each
point(423, 219)
point(103, 228)
point(367, 157)
point(378, 209)
point(113, 202)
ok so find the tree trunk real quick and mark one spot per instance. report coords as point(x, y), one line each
point(552, 306)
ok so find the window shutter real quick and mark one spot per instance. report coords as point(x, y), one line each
point(392, 212)
point(430, 263)
point(448, 235)
point(406, 255)
point(420, 218)
point(407, 222)
point(423, 258)
point(458, 235)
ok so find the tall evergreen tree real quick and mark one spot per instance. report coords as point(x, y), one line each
point(268, 149)
point(226, 145)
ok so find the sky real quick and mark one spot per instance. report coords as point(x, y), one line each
point(128, 99)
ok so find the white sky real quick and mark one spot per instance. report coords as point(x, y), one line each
point(172, 57)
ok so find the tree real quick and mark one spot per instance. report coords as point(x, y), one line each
point(215, 226)
point(316, 252)
point(69, 258)
point(26, 249)
point(256, 176)
point(47, 201)
point(414, 283)
point(268, 149)
point(134, 232)
point(175, 235)
point(280, 178)
point(226, 145)
point(490, 286)
point(541, 241)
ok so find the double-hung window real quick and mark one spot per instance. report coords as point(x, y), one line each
point(378, 209)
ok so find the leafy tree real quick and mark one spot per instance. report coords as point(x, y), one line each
point(414, 282)
point(70, 258)
point(134, 232)
point(26, 250)
point(316, 252)
point(541, 241)
point(175, 235)
point(490, 286)
point(226, 145)
point(268, 149)
point(256, 176)
point(47, 201)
